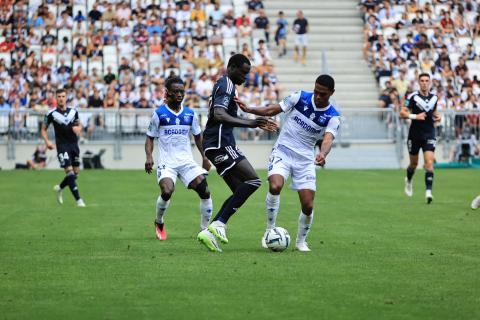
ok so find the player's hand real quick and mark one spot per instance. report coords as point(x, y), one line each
point(320, 159)
point(206, 164)
point(266, 124)
point(77, 130)
point(49, 145)
point(437, 117)
point(242, 105)
point(149, 165)
point(421, 116)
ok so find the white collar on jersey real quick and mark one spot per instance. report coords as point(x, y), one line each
point(319, 109)
point(175, 113)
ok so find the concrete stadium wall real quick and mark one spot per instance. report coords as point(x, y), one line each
point(133, 155)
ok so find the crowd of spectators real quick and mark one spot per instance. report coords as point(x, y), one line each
point(440, 37)
point(116, 54)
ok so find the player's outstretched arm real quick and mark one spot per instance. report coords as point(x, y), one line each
point(148, 153)
point(221, 115)
point(269, 111)
point(325, 148)
point(199, 143)
point(44, 135)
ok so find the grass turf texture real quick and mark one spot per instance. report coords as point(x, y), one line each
point(376, 254)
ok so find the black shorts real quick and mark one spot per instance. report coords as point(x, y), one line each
point(68, 155)
point(224, 158)
point(426, 144)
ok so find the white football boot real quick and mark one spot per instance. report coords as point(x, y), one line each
point(428, 196)
point(475, 203)
point(408, 188)
point(59, 192)
point(302, 246)
point(218, 229)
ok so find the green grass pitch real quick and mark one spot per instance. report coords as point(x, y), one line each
point(376, 254)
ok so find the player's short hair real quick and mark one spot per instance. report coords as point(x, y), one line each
point(238, 60)
point(60, 91)
point(423, 75)
point(326, 81)
point(171, 80)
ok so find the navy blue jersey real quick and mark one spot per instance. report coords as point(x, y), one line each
point(416, 104)
point(63, 121)
point(219, 134)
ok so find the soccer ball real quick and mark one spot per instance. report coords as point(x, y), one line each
point(277, 239)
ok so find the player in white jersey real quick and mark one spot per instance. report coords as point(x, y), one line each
point(172, 124)
point(309, 118)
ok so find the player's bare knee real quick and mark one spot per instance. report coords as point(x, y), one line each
point(275, 188)
point(166, 194)
point(307, 208)
point(202, 189)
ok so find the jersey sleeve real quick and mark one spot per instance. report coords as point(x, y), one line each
point(223, 95)
point(333, 126)
point(76, 119)
point(290, 101)
point(196, 130)
point(153, 126)
point(410, 102)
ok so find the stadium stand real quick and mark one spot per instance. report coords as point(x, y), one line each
point(442, 38)
point(116, 55)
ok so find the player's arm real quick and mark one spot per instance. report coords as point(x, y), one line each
point(221, 115)
point(437, 117)
point(77, 126)
point(268, 111)
point(405, 111)
point(149, 142)
point(199, 143)
point(152, 132)
point(330, 133)
point(197, 136)
point(44, 134)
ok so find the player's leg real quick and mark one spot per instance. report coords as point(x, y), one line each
point(167, 186)
point(428, 157)
point(76, 171)
point(199, 184)
point(304, 181)
point(272, 202)
point(244, 180)
point(413, 149)
point(305, 219)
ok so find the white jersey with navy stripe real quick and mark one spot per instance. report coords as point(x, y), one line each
point(173, 132)
point(305, 123)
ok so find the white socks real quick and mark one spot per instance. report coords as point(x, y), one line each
point(162, 205)
point(206, 208)
point(273, 204)
point(304, 225)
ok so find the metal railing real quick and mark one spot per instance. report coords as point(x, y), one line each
point(123, 126)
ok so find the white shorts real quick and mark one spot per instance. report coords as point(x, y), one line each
point(301, 40)
point(187, 172)
point(285, 162)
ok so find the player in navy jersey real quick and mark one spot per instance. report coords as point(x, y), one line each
point(309, 117)
point(220, 147)
point(172, 124)
point(421, 108)
point(67, 127)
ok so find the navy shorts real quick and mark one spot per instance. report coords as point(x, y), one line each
point(224, 158)
point(414, 145)
point(68, 155)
